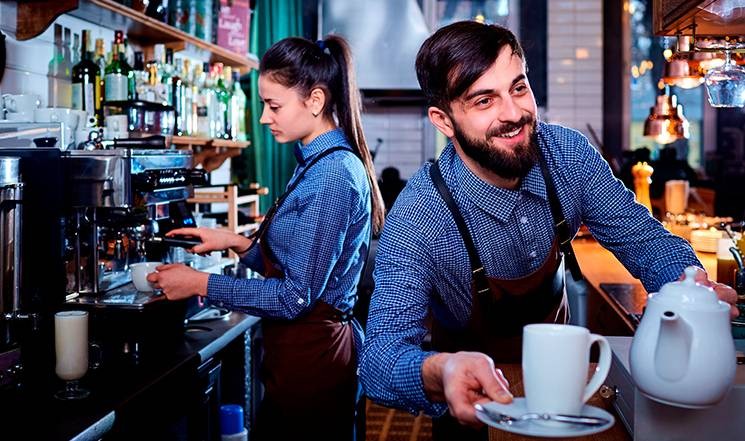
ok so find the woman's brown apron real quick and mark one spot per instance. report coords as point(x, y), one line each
point(309, 364)
point(500, 308)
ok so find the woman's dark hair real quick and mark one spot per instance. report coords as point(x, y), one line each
point(304, 65)
point(455, 56)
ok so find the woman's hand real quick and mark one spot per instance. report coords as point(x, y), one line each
point(213, 239)
point(179, 281)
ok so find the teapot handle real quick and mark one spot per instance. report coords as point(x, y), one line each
point(601, 371)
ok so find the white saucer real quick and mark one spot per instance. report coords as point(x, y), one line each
point(531, 428)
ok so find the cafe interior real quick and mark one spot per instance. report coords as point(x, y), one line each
point(95, 169)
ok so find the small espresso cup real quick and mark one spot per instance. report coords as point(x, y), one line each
point(555, 363)
point(139, 275)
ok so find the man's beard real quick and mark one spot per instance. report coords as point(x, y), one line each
point(508, 165)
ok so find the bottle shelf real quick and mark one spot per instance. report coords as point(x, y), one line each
point(34, 17)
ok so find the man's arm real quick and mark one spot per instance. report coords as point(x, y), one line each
point(394, 369)
point(626, 228)
point(392, 357)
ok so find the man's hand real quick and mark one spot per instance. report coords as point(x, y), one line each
point(462, 380)
point(724, 292)
point(179, 281)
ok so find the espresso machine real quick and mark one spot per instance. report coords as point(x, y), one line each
point(31, 271)
point(120, 202)
point(11, 194)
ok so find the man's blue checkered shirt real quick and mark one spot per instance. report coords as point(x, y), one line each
point(421, 254)
point(319, 236)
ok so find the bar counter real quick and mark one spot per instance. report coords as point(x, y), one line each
point(616, 298)
point(117, 391)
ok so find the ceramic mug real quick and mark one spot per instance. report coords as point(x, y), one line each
point(117, 123)
point(23, 103)
point(139, 275)
point(555, 362)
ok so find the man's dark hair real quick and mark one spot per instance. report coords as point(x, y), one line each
point(456, 55)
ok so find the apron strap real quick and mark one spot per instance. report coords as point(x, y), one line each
point(561, 226)
point(477, 267)
point(259, 233)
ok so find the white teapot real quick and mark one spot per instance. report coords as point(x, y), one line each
point(683, 353)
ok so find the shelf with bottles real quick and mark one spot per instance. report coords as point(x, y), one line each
point(34, 17)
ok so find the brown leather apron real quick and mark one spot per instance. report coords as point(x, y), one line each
point(309, 365)
point(501, 307)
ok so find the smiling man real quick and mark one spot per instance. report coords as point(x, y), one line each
point(476, 245)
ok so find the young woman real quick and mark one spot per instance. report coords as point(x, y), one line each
point(311, 248)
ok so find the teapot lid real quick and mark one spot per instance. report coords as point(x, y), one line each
point(688, 292)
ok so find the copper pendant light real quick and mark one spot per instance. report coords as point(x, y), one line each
point(682, 69)
point(666, 122)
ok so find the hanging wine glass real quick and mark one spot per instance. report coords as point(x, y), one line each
point(726, 84)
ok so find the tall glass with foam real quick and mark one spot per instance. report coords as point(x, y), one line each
point(71, 350)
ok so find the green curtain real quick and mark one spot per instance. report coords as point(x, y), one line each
point(266, 161)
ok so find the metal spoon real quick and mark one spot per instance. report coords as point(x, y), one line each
point(570, 419)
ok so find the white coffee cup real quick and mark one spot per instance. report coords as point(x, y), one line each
point(117, 123)
point(23, 103)
point(69, 117)
point(139, 275)
point(556, 360)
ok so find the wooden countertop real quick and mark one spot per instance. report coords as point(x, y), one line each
point(513, 373)
point(599, 266)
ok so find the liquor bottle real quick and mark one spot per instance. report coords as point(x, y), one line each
point(189, 109)
point(238, 105)
point(66, 71)
point(167, 72)
point(202, 94)
point(177, 98)
point(75, 49)
point(86, 80)
point(55, 66)
point(224, 96)
point(157, 69)
point(100, 60)
point(116, 79)
point(141, 76)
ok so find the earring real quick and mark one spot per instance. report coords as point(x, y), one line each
point(315, 114)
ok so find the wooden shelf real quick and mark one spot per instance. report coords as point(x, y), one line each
point(210, 153)
point(229, 195)
point(231, 144)
point(35, 16)
point(209, 142)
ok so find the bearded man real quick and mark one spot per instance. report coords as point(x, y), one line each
point(479, 240)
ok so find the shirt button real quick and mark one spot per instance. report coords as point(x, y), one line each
point(533, 254)
point(300, 301)
point(524, 220)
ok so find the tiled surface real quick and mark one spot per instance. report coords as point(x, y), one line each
point(401, 130)
point(575, 94)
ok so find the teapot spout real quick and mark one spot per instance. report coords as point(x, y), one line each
point(673, 350)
